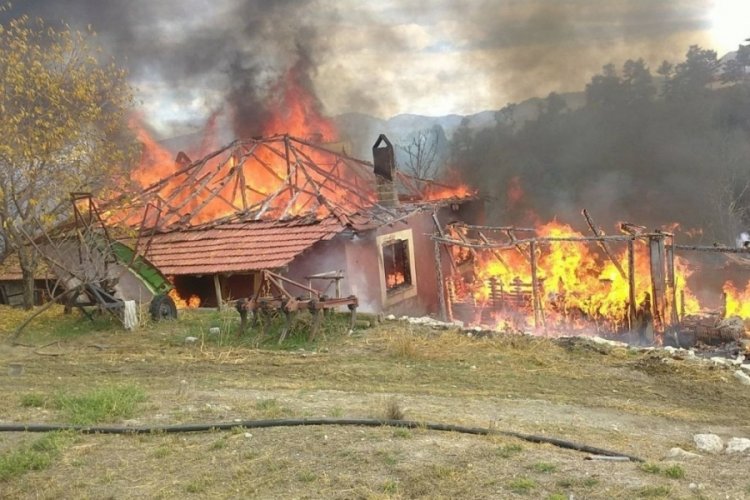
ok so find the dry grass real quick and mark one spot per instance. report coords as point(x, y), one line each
point(632, 402)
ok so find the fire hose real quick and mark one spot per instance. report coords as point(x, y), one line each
point(362, 422)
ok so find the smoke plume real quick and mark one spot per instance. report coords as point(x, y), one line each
point(190, 57)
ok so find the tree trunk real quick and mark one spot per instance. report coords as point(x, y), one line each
point(28, 269)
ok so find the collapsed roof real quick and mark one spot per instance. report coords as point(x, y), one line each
point(272, 179)
point(258, 203)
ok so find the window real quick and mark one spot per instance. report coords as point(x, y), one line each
point(398, 273)
point(396, 264)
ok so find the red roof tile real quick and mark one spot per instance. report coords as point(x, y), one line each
point(237, 247)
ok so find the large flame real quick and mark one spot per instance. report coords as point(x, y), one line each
point(579, 287)
point(292, 110)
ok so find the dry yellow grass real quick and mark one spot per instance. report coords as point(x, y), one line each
point(632, 402)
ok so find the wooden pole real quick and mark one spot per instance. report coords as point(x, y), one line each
point(440, 284)
point(217, 289)
point(631, 284)
point(658, 288)
point(603, 245)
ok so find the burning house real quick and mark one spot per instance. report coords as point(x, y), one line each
point(310, 214)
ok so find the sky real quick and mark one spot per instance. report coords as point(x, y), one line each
point(189, 58)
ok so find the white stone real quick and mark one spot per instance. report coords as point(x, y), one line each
point(709, 443)
point(718, 361)
point(738, 445)
point(191, 340)
point(743, 377)
point(680, 454)
point(214, 330)
point(390, 317)
point(746, 367)
point(612, 343)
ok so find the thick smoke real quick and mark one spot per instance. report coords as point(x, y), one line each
point(533, 48)
point(378, 58)
point(203, 55)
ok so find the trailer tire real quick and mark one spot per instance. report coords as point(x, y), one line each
point(163, 307)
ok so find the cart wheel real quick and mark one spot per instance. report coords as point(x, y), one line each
point(163, 307)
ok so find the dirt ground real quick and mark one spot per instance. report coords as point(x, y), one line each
point(635, 402)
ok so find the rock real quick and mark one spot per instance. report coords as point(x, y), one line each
point(743, 377)
point(738, 445)
point(611, 343)
point(719, 361)
point(214, 330)
point(746, 367)
point(709, 443)
point(680, 454)
point(191, 340)
point(390, 317)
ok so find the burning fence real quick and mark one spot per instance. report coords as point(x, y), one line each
point(551, 278)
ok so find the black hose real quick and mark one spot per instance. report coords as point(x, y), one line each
point(257, 424)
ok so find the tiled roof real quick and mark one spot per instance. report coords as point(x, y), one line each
point(236, 247)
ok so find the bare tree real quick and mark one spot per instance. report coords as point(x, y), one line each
point(422, 154)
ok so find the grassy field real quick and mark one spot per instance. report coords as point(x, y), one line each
point(67, 370)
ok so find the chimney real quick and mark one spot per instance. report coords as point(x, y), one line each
point(385, 169)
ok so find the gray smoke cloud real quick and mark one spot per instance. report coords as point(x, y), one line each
point(191, 57)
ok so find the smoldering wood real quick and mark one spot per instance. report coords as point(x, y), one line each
point(602, 244)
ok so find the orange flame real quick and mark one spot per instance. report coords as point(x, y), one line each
point(737, 300)
point(192, 302)
point(578, 286)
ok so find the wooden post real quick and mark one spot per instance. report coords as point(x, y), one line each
point(631, 284)
point(671, 285)
point(534, 285)
point(440, 283)
point(658, 285)
point(217, 289)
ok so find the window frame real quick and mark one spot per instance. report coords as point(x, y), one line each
point(403, 292)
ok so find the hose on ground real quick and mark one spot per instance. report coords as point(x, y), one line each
point(258, 424)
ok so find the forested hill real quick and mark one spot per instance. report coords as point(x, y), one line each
point(676, 151)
